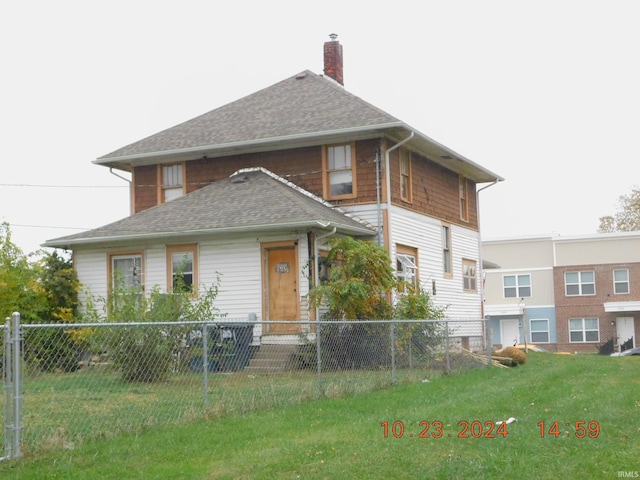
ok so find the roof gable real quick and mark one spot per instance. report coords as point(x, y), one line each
point(249, 200)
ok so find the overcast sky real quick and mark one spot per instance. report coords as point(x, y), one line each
point(544, 93)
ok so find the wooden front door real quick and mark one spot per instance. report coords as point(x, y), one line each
point(281, 293)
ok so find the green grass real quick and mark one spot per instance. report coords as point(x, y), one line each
point(65, 410)
point(343, 437)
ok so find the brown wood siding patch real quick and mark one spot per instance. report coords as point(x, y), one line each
point(145, 187)
point(434, 190)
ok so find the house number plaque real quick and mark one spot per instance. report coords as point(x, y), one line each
point(282, 267)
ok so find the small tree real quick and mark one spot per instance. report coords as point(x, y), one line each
point(360, 285)
point(20, 289)
point(360, 282)
point(360, 278)
point(627, 218)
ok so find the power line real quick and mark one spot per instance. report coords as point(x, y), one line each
point(47, 226)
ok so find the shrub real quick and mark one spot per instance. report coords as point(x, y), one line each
point(418, 340)
point(149, 353)
point(518, 356)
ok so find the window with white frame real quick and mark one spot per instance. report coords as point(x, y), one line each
point(406, 267)
point(583, 330)
point(182, 267)
point(172, 186)
point(517, 286)
point(539, 329)
point(126, 270)
point(446, 250)
point(340, 171)
point(580, 283)
point(621, 280)
point(469, 277)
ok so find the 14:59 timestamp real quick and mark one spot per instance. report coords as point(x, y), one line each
point(582, 429)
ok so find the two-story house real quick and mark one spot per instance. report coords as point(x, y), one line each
point(572, 294)
point(253, 189)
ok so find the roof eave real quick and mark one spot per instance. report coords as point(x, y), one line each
point(423, 144)
point(126, 162)
point(446, 157)
point(143, 237)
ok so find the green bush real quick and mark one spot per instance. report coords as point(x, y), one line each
point(150, 353)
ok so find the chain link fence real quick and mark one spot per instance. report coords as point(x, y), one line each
point(66, 384)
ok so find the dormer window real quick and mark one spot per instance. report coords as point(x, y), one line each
point(172, 185)
point(340, 171)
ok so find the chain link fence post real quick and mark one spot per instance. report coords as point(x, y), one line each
point(489, 340)
point(318, 354)
point(205, 365)
point(446, 345)
point(12, 386)
point(393, 352)
point(7, 389)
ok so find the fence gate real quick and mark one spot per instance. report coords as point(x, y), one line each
point(12, 386)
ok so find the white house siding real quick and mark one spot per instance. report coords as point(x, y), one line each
point(91, 268)
point(425, 233)
point(235, 264)
point(155, 267)
point(235, 260)
point(465, 245)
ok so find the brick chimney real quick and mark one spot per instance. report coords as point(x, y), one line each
point(333, 59)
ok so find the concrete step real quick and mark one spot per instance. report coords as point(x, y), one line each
point(272, 359)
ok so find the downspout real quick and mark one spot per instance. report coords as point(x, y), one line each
point(119, 176)
point(484, 323)
point(387, 173)
point(131, 195)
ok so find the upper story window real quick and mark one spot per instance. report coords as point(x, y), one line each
point(469, 278)
point(406, 266)
point(182, 267)
point(126, 270)
point(463, 189)
point(340, 171)
point(517, 286)
point(405, 175)
point(580, 283)
point(621, 281)
point(172, 185)
point(446, 251)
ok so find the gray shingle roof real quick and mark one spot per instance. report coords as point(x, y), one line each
point(250, 200)
point(305, 109)
point(300, 105)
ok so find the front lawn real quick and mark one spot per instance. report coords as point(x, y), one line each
point(594, 400)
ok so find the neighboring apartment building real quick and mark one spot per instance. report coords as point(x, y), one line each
point(571, 294)
point(252, 190)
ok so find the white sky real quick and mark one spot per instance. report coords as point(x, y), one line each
point(544, 93)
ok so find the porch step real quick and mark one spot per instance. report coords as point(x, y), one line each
point(272, 359)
